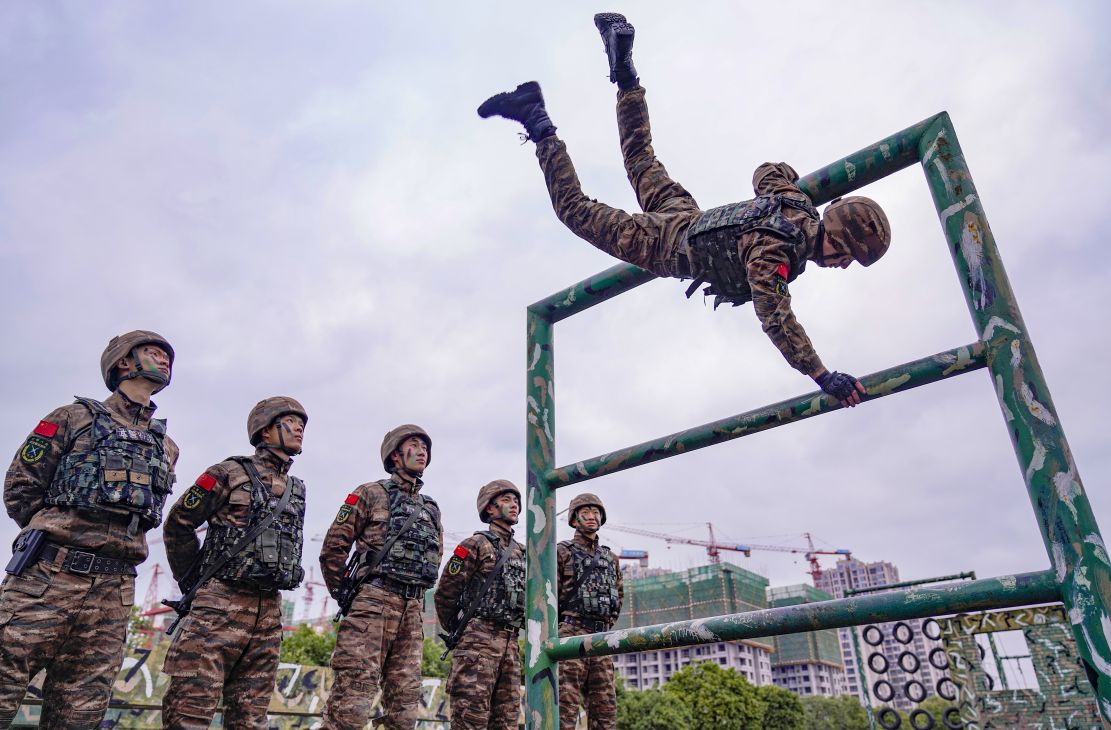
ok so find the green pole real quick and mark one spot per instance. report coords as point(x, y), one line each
point(1069, 531)
point(541, 679)
point(1002, 592)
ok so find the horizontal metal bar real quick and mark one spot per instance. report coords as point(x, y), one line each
point(893, 380)
point(589, 292)
point(1003, 592)
point(971, 575)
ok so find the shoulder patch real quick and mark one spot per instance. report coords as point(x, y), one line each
point(33, 450)
point(47, 429)
point(344, 513)
point(351, 499)
point(462, 552)
point(194, 497)
point(206, 481)
point(783, 270)
point(454, 565)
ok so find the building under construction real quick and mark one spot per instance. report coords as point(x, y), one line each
point(810, 663)
point(700, 592)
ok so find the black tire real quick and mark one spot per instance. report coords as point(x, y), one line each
point(941, 664)
point(952, 719)
point(919, 714)
point(909, 657)
point(952, 697)
point(876, 661)
point(895, 632)
point(926, 631)
point(889, 719)
point(918, 695)
point(887, 695)
point(879, 635)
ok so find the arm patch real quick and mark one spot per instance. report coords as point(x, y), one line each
point(206, 481)
point(47, 429)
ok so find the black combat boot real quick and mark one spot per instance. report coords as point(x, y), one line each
point(525, 104)
point(617, 35)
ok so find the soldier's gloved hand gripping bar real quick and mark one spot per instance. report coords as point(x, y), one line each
point(450, 640)
point(185, 603)
point(349, 584)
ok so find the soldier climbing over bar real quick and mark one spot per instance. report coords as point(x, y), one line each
point(85, 487)
point(229, 643)
point(590, 596)
point(746, 251)
point(480, 602)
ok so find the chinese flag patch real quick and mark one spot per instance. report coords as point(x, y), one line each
point(461, 552)
point(206, 482)
point(47, 429)
point(351, 499)
point(782, 270)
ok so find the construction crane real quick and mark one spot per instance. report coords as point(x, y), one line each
point(714, 546)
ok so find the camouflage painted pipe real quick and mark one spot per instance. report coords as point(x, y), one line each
point(1068, 526)
point(1002, 592)
point(893, 380)
point(908, 583)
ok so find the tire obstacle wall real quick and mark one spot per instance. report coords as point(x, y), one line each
point(1080, 576)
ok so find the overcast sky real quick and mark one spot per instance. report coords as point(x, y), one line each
point(303, 200)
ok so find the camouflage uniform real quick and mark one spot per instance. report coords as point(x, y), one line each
point(590, 681)
point(379, 643)
point(229, 643)
point(485, 679)
point(655, 239)
point(72, 625)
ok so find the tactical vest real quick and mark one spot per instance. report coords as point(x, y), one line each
point(504, 602)
point(595, 595)
point(414, 557)
point(272, 561)
point(123, 468)
point(711, 248)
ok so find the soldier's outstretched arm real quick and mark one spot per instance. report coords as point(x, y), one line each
point(350, 521)
point(192, 509)
point(453, 580)
point(34, 465)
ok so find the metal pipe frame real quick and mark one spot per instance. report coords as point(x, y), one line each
point(1081, 570)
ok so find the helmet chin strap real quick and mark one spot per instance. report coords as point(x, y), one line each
point(290, 451)
point(820, 257)
point(155, 375)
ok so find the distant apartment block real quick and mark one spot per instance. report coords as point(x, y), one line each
point(810, 663)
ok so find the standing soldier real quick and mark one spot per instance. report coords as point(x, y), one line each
point(480, 600)
point(85, 487)
point(398, 542)
point(230, 641)
point(590, 595)
point(746, 251)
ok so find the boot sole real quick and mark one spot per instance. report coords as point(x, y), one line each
point(602, 21)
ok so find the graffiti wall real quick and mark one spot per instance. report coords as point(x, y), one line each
point(298, 699)
point(1064, 699)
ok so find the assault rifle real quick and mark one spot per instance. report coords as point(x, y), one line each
point(185, 604)
point(465, 615)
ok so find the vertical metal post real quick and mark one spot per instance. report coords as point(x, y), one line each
point(861, 677)
point(1068, 526)
point(541, 686)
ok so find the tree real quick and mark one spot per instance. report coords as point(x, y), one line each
point(139, 629)
point(652, 709)
point(306, 646)
point(782, 708)
point(430, 663)
point(718, 699)
point(834, 713)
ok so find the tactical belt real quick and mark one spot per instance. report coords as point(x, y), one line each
point(86, 563)
point(405, 590)
point(585, 623)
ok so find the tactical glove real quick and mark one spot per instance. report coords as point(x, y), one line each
point(839, 385)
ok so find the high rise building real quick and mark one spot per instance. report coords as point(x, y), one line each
point(897, 655)
point(808, 663)
point(709, 590)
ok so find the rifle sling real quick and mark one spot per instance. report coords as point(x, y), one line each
point(256, 482)
point(465, 619)
point(385, 549)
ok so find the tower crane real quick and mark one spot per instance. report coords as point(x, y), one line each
point(714, 547)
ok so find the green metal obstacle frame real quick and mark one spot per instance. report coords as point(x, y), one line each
point(1080, 576)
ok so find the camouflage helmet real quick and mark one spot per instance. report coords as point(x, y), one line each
point(492, 491)
point(860, 225)
point(585, 499)
point(395, 437)
point(123, 345)
point(267, 410)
